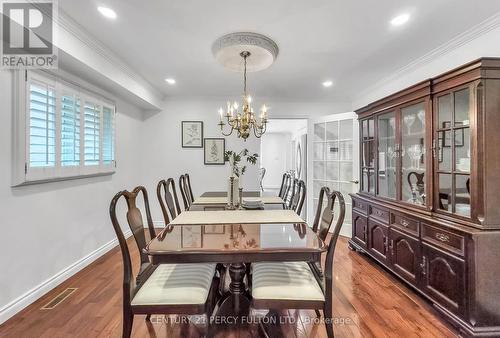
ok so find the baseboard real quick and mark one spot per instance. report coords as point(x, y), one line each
point(346, 230)
point(35, 293)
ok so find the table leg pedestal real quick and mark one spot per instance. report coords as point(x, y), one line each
point(233, 307)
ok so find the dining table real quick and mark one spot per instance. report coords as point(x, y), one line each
point(235, 238)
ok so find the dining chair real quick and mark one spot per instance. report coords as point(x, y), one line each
point(290, 192)
point(284, 185)
point(168, 199)
point(299, 197)
point(186, 196)
point(262, 173)
point(189, 188)
point(297, 285)
point(182, 289)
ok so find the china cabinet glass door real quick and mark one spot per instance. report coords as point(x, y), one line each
point(368, 155)
point(453, 151)
point(387, 155)
point(412, 154)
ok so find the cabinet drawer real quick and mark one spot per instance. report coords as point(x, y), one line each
point(379, 214)
point(360, 206)
point(445, 239)
point(406, 224)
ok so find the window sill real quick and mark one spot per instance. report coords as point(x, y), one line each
point(59, 179)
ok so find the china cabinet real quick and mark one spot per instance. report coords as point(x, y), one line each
point(428, 204)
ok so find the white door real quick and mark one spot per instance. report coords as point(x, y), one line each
point(333, 161)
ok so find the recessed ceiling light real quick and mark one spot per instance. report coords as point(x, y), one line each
point(170, 81)
point(400, 19)
point(107, 12)
point(328, 83)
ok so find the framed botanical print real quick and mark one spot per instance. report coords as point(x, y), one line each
point(192, 134)
point(214, 151)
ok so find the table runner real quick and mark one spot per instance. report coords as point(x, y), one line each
point(223, 200)
point(237, 217)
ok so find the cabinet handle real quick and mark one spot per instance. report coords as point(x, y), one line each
point(442, 237)
point(423, 266)
point(404, 223)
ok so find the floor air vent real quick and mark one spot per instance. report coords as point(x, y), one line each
point(59, 299)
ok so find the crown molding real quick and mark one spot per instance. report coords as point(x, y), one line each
point(65, 22)
point(460, 40)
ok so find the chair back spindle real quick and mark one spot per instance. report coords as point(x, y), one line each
point(169, 202)
point(186, 197)
point(189, 188)
point(299, 197)
point(284, 185)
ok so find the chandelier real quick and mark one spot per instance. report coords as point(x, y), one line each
point(244, 121)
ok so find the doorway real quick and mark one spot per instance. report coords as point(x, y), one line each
point(283, 148)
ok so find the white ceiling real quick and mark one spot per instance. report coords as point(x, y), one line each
point(350, 42)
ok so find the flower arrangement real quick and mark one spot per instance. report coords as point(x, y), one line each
point(235, 158)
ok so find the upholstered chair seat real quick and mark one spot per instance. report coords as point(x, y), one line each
point(174, 284)
point(302, 285)
point(285, 281)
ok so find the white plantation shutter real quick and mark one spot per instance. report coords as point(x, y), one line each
point(42, 125)
point(70, 130)
point(108, 139)
point(62, 130)
point(92, 127)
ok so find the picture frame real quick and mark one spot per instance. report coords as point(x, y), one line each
point(214, 151)
point(192, 134)
point(214, 229)
point(191, 237)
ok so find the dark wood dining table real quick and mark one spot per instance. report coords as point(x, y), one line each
point(236, 245)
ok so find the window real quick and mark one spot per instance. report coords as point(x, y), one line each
point(67, 132)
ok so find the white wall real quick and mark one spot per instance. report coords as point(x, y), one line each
point(162, 155)
point(275, 148)
point(465, 48)
point(49, 230)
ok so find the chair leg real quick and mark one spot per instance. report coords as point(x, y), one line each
point(128, 322)
point(148, 317)
point(318, 314)
point(328, 320)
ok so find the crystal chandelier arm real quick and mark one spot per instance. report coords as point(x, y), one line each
point(222, 130)
point(257, 134)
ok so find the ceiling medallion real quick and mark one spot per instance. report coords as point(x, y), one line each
point(257, 52)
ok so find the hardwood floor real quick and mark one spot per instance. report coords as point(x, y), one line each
point(368, 302)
